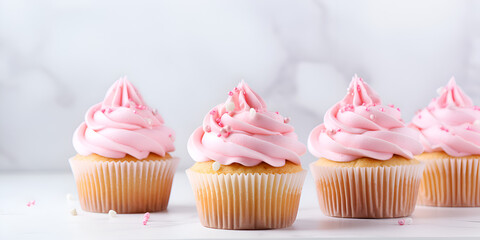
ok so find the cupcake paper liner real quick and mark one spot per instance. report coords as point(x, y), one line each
point(124, 186)
point(247, 201)
point(451, 182)
point(367, 192)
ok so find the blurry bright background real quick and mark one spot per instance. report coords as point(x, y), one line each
point(57, 58)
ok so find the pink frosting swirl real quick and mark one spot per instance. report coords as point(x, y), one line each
point(450, 123)
point(123, 124)
point(242, 131)
point(360, 126)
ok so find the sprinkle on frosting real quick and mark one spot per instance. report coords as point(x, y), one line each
point(360, 126)
point(450, 123)
point(123, 124)
point(248, 134)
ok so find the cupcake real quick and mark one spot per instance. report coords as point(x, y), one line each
point(450, 132)
point(123, 161)
point(366, 166)
point(247, 173)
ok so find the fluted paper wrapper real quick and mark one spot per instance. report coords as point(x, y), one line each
point(367, 192)
point(124, 186)
point(247, 201)
point(451, 182)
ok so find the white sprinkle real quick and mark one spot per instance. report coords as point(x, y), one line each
point(69, 197)
point(476, 123)
point(408, 221)
point(440, 90)
point(207, 128)
point(149, 121)
point(252, 113)
point(73, 212)
point(331, 131)
point(372, 116)
point(230, 106)
point(348, 89)
point(216, 166)
point(155, 111)
point(112, 213)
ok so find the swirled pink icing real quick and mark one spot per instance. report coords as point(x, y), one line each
point(450, 123)
point(360, 126)
point(243, 131)
point(123, 124)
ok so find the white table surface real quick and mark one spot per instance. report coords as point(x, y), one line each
point(50, 217)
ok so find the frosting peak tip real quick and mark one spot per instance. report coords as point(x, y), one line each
point(452, 94)
point(452, 81)
point(121, 94)
point(360, 93)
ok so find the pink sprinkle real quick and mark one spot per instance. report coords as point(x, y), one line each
point(339, 130)
point(398, 109)
point(235, 89)
point(367, 109)
point(217, 120)
point(374, 104)
point(219, 135)
point(286, 120)
point(444, 129)
point(391, 105)
point(230, 93)
point(213, 112)
point(145, 218)
point(170, 135)
point(220, 124)
point(103, 110)
point(382, 110)
point(141, 107)
point(401, 222)
point(419, 116)
point(276, 112)
point(224, 133)
point(109, 110)
point(348, 107)
point(31, 203)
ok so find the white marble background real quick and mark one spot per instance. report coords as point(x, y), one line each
point(57, 58)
